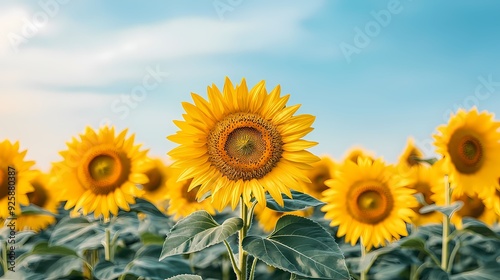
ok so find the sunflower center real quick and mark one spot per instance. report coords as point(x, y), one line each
point(369, 202)
point(244, 146)
point(466, 152)
point(38, 196)
point(103, 169)
point(155, 179)
point(190, 196)
point(4, 186)
point(318, 180)
point(473, 206)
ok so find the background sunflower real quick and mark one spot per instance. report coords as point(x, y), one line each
point(242, 144)
point(367, 201)
point(99, 172)
point(43, 196)
point(11, 156)
point(321, 171)
point(470, 145)
point(156, 189)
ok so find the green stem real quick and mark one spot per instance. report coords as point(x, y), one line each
point(364, 273)
point(242, 234)
point(231, 257)
point(4, 257)
point(107, 245)
point(452, 257)
point(446, 226)
point(252, 270)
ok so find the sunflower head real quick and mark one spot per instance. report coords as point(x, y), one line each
point(473, 207)
point(10, 156)
point(321, 171)
point(156, 189)
point(242, 143)
point(181, 200)
point(43, 197)
point(356, 152)
point(410, 154)
point(470, 145)
point(366, 200)
point(100, 170)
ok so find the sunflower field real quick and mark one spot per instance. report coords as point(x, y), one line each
point(241, 197)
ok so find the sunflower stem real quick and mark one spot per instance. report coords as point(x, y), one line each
point(4, 257)
point(364, 273)
point(252, 270)
point(231, 257)
point(242, 234)
point(446, 226)
point(107, 245)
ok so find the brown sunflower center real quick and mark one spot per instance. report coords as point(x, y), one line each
point(39, 196)
point(466, 152)
point(103, 169)
point(425, 190)
point(473, 206)
point(189, 195)
point(4, 184)
point(369, 202)
point(155, 179)
point(244, 146)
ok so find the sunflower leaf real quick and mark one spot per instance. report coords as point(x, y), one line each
point(33, 209)
point(299, 201)
point(478, 227)
point(185, 277)
point(447, 210)
point(197, 232)
point(299, 246)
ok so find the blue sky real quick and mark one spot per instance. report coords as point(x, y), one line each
point(373, 74)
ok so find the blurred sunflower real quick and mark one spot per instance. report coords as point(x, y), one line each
point(321, 171)
point(474, 207)
point(356, 152)
point(182, 201)
point(43, 198)
point(267, 217)
point(365, 200)
point(240, 144)
point(470, 144)
point(428, 180)
point(492, 198)
point(410, 155)
point(100, 171)
point(156, 189)
point(10, 156)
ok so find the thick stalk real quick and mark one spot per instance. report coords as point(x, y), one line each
point(446, 226)
point(364, 272)
point(252, 270)
point(242, 234)
point(107, 245)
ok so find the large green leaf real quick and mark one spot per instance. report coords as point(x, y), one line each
point(487, 271)
point(144, 206)
point(418, 243)
point(78, 233)
point(33, 209)
point(299, 201)
point(479, 228)
point(196, 232)
point(65, 266)
point(108, 270)
point(299, 246)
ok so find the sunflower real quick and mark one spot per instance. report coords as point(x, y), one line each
point(267, 217)
point(11, 157)
point(470, 144)
point(474, 207)
point(321, 171)
point(100, 171)
point(355, 152)
point(41, 197)
point(410, 155)
point(156, 189)
point(182, 201)
point(242, 143)
point(492, 198)
point(427, 180)
point(368, 200)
